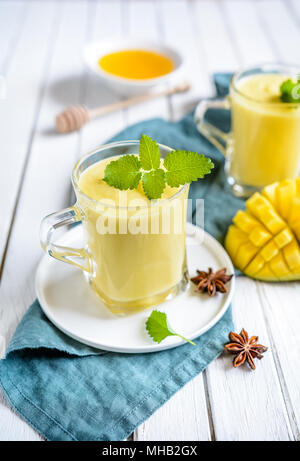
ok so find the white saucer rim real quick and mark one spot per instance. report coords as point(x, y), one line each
point(156, 347)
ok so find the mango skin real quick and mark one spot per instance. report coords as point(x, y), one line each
point(263, 240)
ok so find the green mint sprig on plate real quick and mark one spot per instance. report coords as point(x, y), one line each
point(158, 328)
point(180, 167)
point(290, 91)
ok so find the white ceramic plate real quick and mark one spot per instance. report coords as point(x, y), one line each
point(124, 86)
point(71, 304)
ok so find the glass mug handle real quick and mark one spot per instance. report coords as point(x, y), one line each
point(216, 136)
point(78, 257)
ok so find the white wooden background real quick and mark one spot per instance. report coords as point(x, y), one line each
point(40, 57)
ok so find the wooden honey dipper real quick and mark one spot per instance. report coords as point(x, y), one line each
point(74, 117)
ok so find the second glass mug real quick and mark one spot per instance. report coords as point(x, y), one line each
point(264, 143)
point(129, 271)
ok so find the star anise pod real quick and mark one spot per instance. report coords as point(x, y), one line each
point(245, 348)
point(211, 281)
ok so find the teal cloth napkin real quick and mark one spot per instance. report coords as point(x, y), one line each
point(69, 391)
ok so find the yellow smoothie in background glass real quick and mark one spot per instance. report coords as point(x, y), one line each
point(137, 262)
point(263, 145)
point(265, 132)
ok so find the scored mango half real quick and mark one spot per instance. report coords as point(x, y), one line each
point(263, 241)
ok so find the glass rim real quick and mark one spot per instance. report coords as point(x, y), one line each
point(75, 179)
point(264, 68)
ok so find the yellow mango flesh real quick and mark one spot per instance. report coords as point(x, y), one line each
point(263, 240)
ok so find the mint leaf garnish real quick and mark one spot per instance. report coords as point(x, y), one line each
point(158, 328)
point(181, 167)
point(184, 167)
point(290, 91)
point(123, 173)
point(154, 183)
point(149, 153)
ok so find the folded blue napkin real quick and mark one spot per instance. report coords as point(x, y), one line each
point(69, 391)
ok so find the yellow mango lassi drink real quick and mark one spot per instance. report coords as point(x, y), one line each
point(138, 249)
point(132, 204)
point(265, 141)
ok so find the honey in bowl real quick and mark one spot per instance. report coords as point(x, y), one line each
point(136, 64)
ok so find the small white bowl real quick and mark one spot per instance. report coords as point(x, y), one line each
point(126, 86)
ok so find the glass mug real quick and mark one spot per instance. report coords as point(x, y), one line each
point(264, 143)
point(133, 257)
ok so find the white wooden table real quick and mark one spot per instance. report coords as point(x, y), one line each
point(40, 57)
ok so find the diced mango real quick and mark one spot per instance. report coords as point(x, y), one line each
point(265, 212)
point(270, 193)
point(296, 229)
point(269, 251)
point(284, 196)
point(245, 221)
point(264, 239)
point(244, 255)
point(283, 238)
point(291, 254)
point(294, 213)
point(266, 274)
point(234, 239)
point(297, 182)
point(272, 220)
point(279, 267)
point(256, 203)
point(259, 236)
point(255, 265)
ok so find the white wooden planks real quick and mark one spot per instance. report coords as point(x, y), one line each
point(11, 22)
point(141, 21)
point(12, 427)
point(281, 27)
point(18, 111)
point(282, 316)
point(105, 20)
point(214, 35)
point(46, 182)
point(178, 28)
point(49, 165)
point(248, 405)
point(183, 417)
point(251, 41)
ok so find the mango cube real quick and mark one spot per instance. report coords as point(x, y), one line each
point(255, 265)
point(234, 239)
point(283, 238)
point(245, 221)
point(259, 236)
point(245, 254)
point(270, 192)
point(269, 251)
point(294, 211)
point(266, 274)
point(284, 195)
point(291, 253)
point(279, 267)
